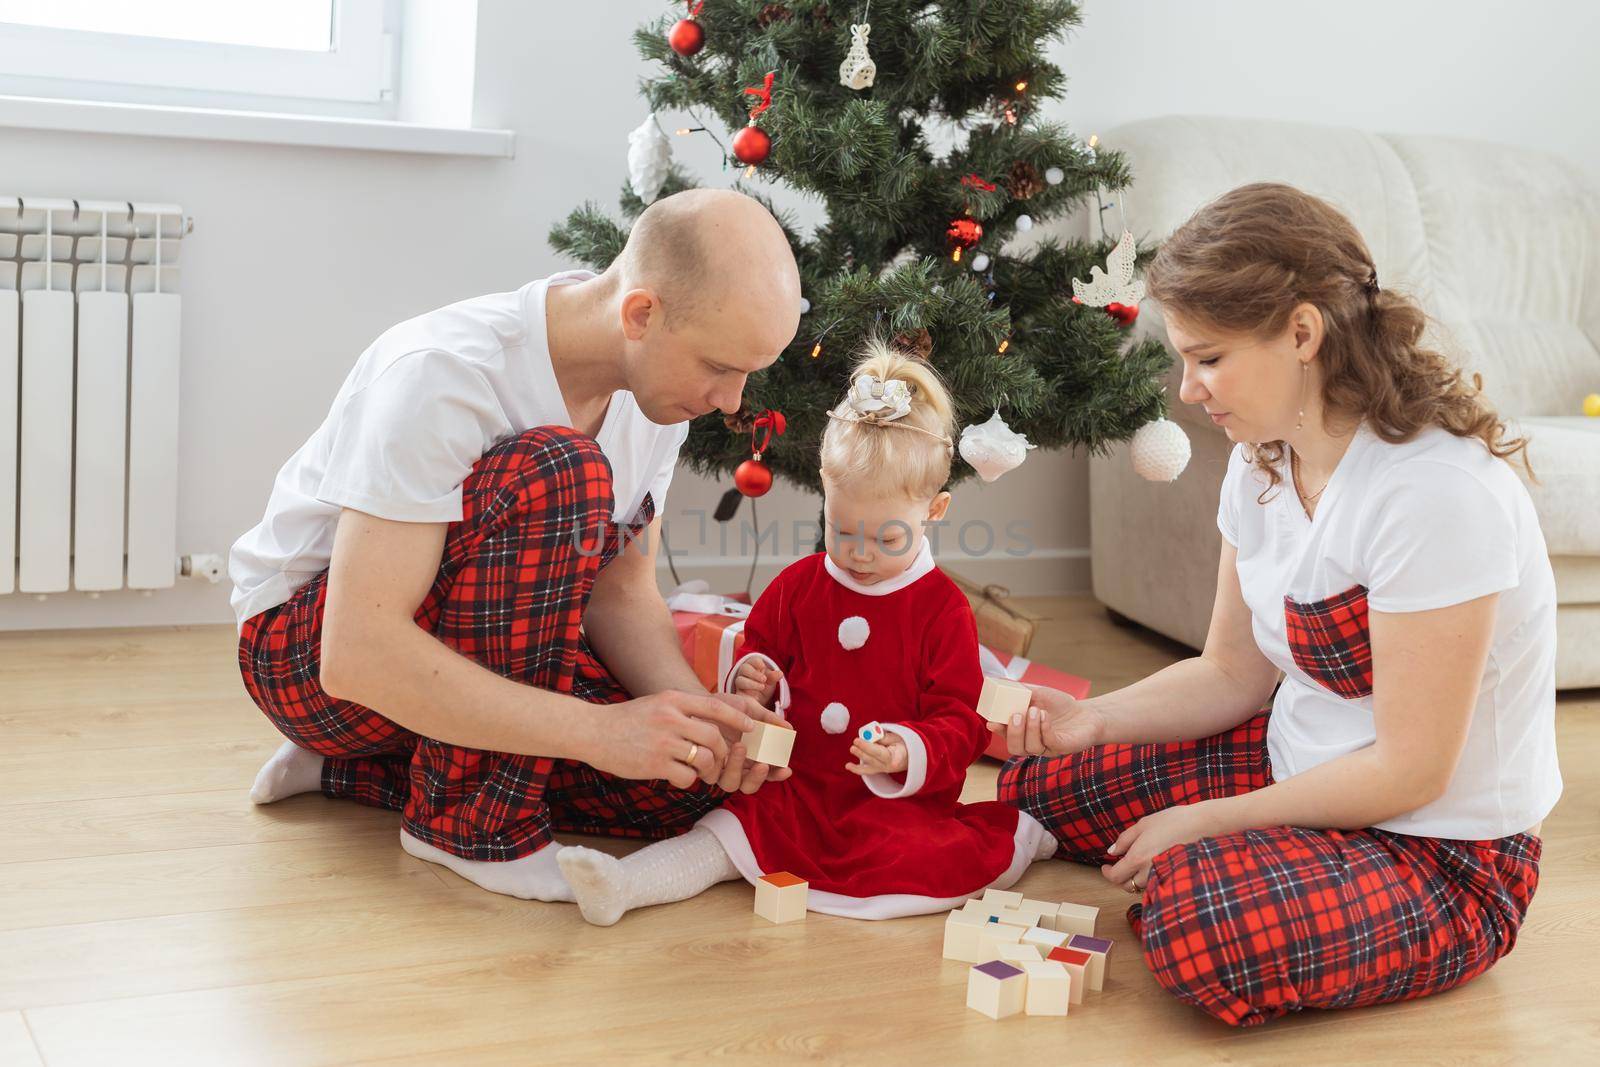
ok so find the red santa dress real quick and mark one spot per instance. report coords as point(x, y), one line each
point(903, 653)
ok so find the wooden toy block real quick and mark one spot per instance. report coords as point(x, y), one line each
point(998, 701)
point(992, 936)
point(1045, 938)
point(1099, 950)
point(1075, 919)
point(1025, 919)
point(1040, 909)
point(961, 937)
point(1020, 953)
point(996, 989)
point(769, 743)
point(981, 908)
point(871, 732)
point(1077, 965)
point(1000, 898)
point(1049, 987)
point(781, 897)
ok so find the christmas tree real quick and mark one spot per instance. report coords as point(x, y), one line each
point(916, 248)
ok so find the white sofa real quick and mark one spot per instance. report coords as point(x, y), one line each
point(1502, 247)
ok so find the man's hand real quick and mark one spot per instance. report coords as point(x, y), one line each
point(741, 774)
point(672, 735)
point(757, 679)
point(887, 756)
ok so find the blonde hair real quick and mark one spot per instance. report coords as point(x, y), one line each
point(911, 454)
point(1243, 263)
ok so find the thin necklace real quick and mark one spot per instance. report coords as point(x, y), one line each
point(1309, 498)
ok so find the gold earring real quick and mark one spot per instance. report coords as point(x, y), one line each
point(1305, 380)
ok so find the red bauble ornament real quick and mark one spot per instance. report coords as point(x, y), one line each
point(1123, 313)
point(964, 233)
point(686, 37)
point(753, 478)
point(751, 146)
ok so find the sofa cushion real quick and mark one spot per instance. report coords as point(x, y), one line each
point(1565, 453)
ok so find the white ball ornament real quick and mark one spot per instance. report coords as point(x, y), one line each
point(805, 306)
point(1055, 175)
point(980, 262)
point(1024, 223)
point(1160, 450)
point(853, 633)
point(835, 718)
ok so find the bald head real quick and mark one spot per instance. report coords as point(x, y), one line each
point(709, 252)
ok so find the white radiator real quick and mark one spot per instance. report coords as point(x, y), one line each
point(89, 346)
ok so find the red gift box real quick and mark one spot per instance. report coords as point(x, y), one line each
point(711, 631)
point(1019, 669)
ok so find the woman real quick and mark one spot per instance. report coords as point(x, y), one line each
point(1372, 835)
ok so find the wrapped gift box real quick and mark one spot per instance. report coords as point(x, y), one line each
point(1002, 624)
point(710, 629)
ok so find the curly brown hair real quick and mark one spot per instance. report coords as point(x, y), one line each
point(1245, 261)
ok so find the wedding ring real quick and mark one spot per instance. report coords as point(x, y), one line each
point(694, 750)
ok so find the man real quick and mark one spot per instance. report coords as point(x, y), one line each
point(433, 550)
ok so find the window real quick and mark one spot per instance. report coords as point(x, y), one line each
point(314, 50)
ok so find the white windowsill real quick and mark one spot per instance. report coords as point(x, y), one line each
point(206, 124)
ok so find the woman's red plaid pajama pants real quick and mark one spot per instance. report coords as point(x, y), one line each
point(1250, 925)
point(513, 581)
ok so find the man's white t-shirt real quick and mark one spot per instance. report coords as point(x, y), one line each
point(420, 407)
point(1425, 524)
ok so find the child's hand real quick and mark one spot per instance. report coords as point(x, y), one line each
point(758, 680)
point(878, 757)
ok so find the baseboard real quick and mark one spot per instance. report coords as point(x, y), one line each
point(1050, 572)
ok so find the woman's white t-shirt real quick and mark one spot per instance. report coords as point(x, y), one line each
point(420, 407)
point(1424, 524)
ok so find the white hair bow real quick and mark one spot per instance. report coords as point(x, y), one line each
point(876, 401)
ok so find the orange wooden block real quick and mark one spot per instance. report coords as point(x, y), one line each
point(781, 897)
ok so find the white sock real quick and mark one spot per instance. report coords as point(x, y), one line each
point(532, 877)
point(290, 771)
point(675, 869)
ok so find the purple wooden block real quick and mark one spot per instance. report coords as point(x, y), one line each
point(1085, 943)
point(998, 969)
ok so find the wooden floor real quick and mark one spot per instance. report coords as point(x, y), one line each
point(149, 913)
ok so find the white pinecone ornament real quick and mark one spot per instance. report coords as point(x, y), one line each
point(649, 157)
point(993, 448)
point(1160, 450)
point(858, 70)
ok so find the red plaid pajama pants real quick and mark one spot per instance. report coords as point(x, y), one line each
point(513, 582)
point(1254, 924)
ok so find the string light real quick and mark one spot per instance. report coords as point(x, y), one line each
point(1022, 87)
point(816, 350)
point(956, 255)
point(1005, 345)
point(749, 171)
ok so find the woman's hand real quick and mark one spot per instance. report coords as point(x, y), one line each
point(757, 679)
point(1154, 834)
point(1055, 725)
point(887, 756)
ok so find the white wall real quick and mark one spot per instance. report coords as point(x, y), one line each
point(300, 257)
point(1520, 73)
